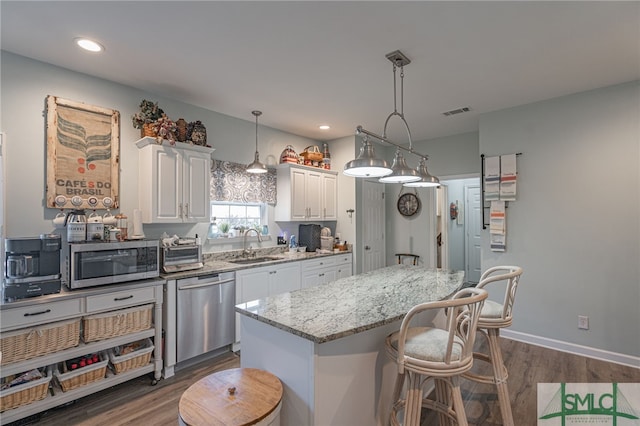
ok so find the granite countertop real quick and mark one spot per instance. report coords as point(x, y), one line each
point(219, 262)
point(353, 304)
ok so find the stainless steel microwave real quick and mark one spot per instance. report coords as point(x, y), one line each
point(92, 264)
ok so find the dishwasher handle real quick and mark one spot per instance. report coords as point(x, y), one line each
point(208, 284)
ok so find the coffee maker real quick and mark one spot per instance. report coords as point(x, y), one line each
point(31, 266)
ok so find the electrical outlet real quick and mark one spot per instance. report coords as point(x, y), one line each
point(583, 322)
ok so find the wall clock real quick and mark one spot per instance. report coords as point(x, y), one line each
point(408, 204)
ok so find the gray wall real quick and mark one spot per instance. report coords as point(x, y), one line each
point(575, 225)
point(25, 85)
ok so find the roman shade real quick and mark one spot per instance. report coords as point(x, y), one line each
point(230, 182)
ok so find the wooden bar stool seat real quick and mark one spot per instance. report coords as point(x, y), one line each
point(433, 354)
point(234, 397)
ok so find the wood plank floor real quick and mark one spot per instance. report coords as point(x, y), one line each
point(138, 403)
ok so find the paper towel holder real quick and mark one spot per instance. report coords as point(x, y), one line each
point(138, 232)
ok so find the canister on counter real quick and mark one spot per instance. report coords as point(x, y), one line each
point(123, 225)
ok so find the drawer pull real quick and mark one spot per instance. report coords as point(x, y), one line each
point(28, 314)
point(118, 299)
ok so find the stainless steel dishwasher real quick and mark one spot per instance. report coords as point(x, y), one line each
point(205, 314)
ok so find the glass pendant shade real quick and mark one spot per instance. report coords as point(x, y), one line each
point(400, 172)
point(366, 164)
point(426, 179)
point(256, 166)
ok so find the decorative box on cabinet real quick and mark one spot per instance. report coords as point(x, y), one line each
point(63, 308)
point(173, 182)
point(306, 193)
point(258, 283)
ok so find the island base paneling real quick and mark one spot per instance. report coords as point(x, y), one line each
point(344, 381)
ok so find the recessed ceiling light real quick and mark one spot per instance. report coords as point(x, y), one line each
point(89, 45)
point(324, 127)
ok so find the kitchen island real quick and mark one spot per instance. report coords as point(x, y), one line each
point(326, 343)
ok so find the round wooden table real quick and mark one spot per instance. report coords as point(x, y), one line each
point(234, 397)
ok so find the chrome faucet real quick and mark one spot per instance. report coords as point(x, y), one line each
point(246, 252)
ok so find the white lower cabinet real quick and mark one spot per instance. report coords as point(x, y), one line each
point(344, 265)
point(258, 283)
point(325, 269)
point(318, 271)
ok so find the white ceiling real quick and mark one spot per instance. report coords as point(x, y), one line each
point(314, 62)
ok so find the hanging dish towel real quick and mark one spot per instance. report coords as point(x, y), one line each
point(508, 176)
point(498, 226)
point(492, 178)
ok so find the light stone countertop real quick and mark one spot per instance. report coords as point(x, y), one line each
point(353, 304)
point(219, 262)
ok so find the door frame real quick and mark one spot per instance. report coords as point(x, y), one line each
point(467, 239)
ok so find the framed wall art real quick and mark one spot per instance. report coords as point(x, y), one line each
point(83, 155)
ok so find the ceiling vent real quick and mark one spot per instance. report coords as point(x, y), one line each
point(456, 111)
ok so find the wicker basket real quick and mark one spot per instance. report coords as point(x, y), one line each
point(147, 130)
point(25, 393)
point(312, 153)
point(82, 376)
point(30, 343)
point(116, 323)
point(132, 360)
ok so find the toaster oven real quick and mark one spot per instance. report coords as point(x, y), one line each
point(185, 256)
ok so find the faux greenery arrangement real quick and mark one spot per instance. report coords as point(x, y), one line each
point(224, 227)
point(149, 113)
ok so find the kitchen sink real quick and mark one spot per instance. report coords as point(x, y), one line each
point(248, 260)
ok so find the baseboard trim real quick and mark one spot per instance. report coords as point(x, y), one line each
point(595, 353)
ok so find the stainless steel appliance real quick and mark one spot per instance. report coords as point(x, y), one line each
point(184, 256)
point(205, 314)
point(32, 266)
point(92, 264)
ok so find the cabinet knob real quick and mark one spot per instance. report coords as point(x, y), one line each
point(367, 248)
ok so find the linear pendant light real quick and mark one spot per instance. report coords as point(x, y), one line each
point(399, 172)
point(256, 166)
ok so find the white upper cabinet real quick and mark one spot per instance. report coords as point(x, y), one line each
point(306, 193)
point(173, 182)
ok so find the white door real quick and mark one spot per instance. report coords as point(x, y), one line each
point(167, 185)
point(298, 194)
point(196, 201)
point(373, 241)
point(473, 219)
point(329, 198)
point(314, 195)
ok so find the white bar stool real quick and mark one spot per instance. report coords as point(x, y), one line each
point(441, 354)
point(234, 397)
point(493, 317)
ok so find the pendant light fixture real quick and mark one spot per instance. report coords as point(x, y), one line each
point(399, 172)
point(367, 165)
point(256, 166)
point(426, 179)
